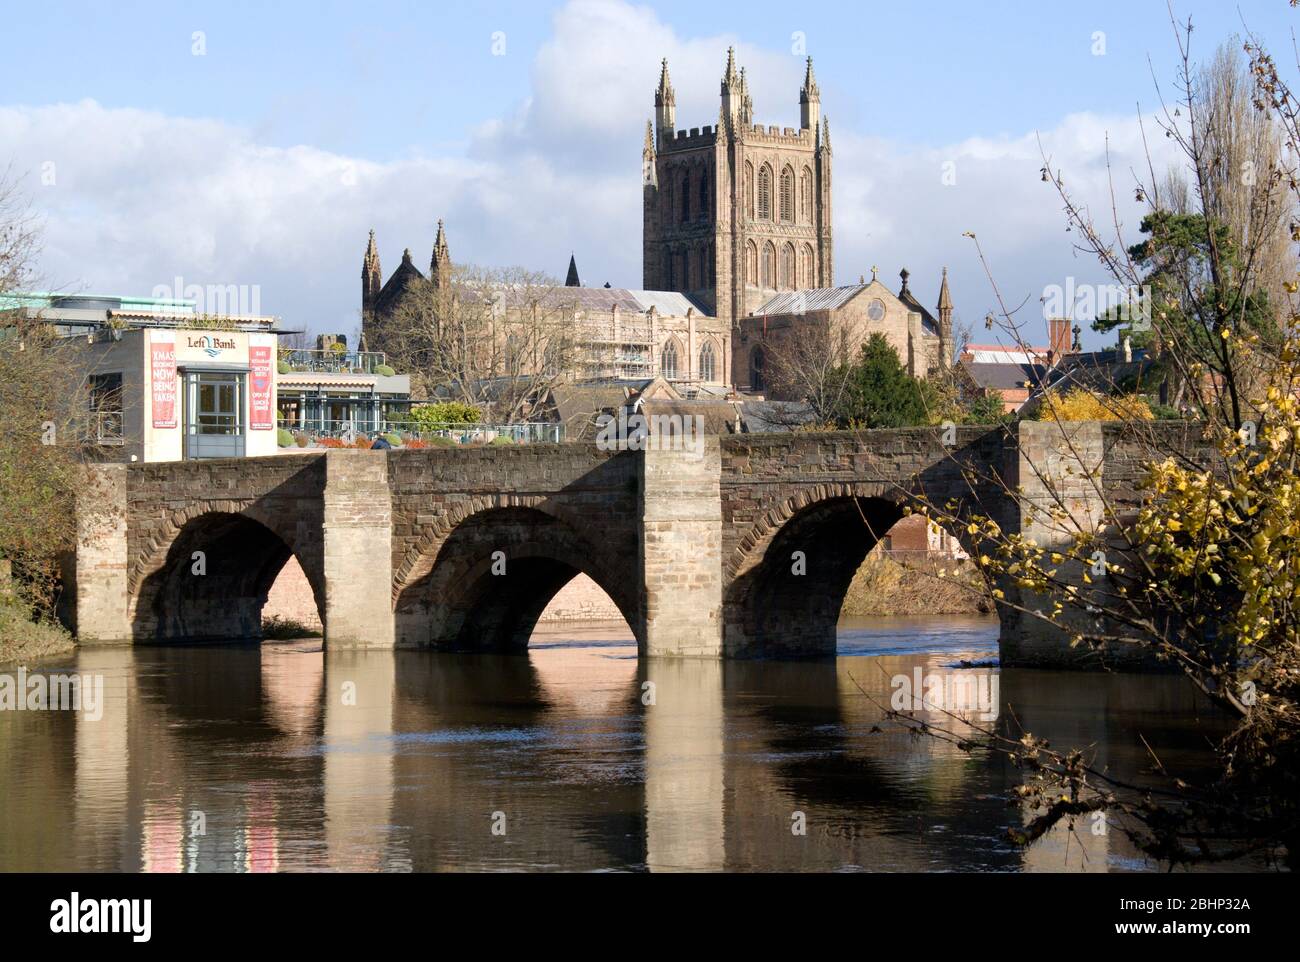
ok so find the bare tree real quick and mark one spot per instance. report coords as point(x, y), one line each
point(497, 339)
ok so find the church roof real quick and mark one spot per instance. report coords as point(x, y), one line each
point(666, 302)
point(812, 299)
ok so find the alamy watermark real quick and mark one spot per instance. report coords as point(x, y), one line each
point(1131, 305)
point(653, 432)
point(958, 692)
point(55, 691)
point(222, 300)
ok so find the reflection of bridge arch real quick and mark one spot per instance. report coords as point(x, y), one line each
point(789, 574)
point(242, 554)
point(489, 579)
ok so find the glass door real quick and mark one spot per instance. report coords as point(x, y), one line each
point(214, 414)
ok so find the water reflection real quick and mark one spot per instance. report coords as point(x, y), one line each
point(577, 756)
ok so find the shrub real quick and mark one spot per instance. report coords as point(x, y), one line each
point(383, 370)
point(501, 439)
point(284, 438)
point(445, 412)
point(276, 628)
point(331, 443)
point(415, 444)
point(362, 442)
point(392, 439)
point(283, 367)
point(302, 440)
point(1083, 405)
point(22, 638)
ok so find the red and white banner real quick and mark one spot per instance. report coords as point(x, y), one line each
point(162, 377)
point(261, 382)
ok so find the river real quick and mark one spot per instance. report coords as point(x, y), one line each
point(574, 757)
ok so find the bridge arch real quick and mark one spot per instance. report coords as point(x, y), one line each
point(789, 574)
point(486, 583)
point(218, 595)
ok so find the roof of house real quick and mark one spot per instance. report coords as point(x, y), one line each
point(1002, 376)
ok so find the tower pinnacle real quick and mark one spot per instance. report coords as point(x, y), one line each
point(665, 101)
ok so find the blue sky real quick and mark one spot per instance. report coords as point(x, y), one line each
point(265, 160)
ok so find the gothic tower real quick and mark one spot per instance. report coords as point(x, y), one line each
point(440, 264)
point(372, 277)
point(735, 212)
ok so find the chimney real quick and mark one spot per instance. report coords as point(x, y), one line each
point(1058, 337)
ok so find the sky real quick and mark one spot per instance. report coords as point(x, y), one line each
point(163, 146)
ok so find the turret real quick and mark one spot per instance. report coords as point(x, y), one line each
point(665, 103)
point(810, 101)
point(732, 94)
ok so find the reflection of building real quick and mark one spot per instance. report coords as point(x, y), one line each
point(165, 382)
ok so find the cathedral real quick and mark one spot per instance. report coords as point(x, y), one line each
point(737, 262)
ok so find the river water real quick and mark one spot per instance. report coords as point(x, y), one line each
point(574, 757)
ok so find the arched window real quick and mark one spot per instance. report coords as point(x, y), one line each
point(787, 267)
point(706, 361)
point(769, 266)
point(805, 196)
point(668, 361)
point(787, 195)
point(749, 190)
point(757, 361)
point(807, 277)
point(765, 193)
point(704, 196)
point(686, 198)
point(751, 264)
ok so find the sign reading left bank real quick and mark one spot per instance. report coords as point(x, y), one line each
point(162, 377)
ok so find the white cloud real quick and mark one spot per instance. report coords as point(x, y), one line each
point(141, 198)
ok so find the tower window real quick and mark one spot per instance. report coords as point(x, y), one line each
point(749, 190)
point(787, 195)
point(686, 198)
point(751, 264)
point(787, 267)
point(808, 276)
point(805, 196)
point(765, 193)
point(704, 196)
point(769, 265)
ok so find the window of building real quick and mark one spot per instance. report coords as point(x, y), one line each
point(808, 276)
point(704, 196)
point(769, 265)
point(686, 198)
point(787, 195)
point(668, 361)
point(751, 263)
point(876, 309)
point(706, 362)
point(765, 193)
point(757, 361)
point(105, 425)
point(805, 196)
point(749, 190)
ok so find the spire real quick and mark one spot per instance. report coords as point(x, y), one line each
point(572, 279)
point(945, 299)
point(372, 276)
point(730, 77)
point(945, 322)
point(826, 135)
point(810, 90)
point(649, 147)
point(649, 175)
point(746, 102)
point(665, 101)
point(440, 265)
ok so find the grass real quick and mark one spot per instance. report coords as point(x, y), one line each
point(24, 640)
point(884, 586)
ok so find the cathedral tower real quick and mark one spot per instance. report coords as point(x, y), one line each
point(736, 212)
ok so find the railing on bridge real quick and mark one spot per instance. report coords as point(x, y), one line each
point(423, 433)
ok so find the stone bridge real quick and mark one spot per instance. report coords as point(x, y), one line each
point(462, 548)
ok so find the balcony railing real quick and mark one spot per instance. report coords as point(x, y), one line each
point(333, 362)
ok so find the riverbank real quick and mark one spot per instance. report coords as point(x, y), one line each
point(24, 640)
point(884, 586)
